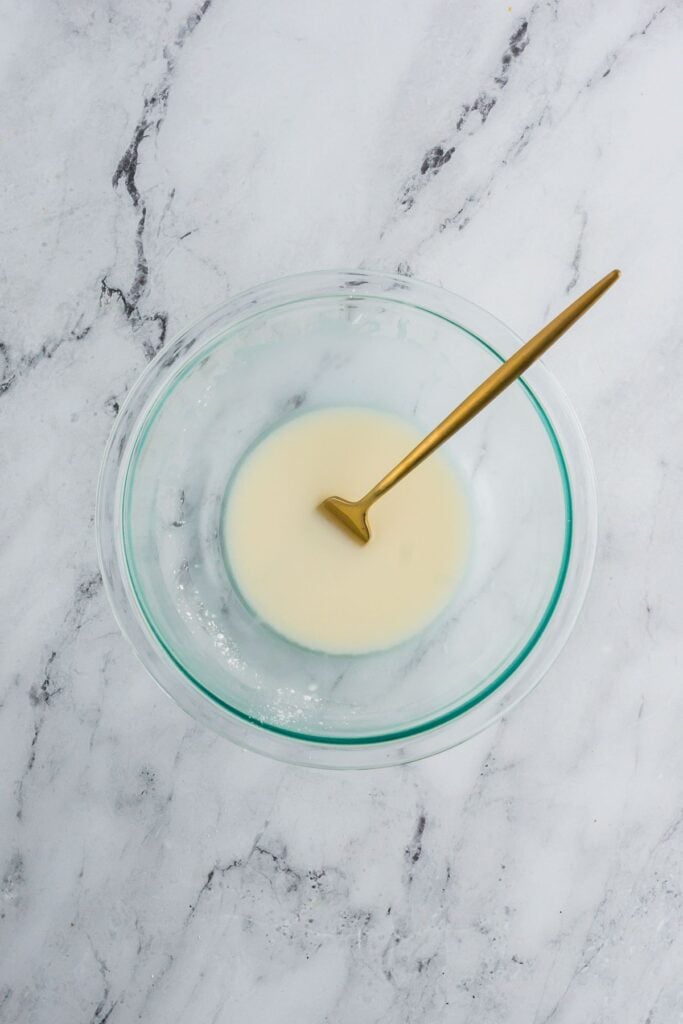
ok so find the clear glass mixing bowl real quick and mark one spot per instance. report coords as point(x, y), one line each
point(337, 338)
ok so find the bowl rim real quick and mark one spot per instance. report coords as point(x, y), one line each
point(136, 417)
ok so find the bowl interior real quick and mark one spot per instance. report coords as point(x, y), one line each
point(388, 354)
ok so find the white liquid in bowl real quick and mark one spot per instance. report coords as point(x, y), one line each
point(304, 575)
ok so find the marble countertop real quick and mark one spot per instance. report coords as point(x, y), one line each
point(158, 157)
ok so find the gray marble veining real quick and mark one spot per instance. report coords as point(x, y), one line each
point(158, 157)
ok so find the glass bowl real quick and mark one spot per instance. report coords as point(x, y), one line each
point(339, 339)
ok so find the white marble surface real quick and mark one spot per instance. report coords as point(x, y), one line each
point(157, 157)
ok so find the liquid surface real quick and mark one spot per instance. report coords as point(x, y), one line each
point(304, 575)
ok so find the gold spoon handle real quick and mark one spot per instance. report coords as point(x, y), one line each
point(500, 379)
